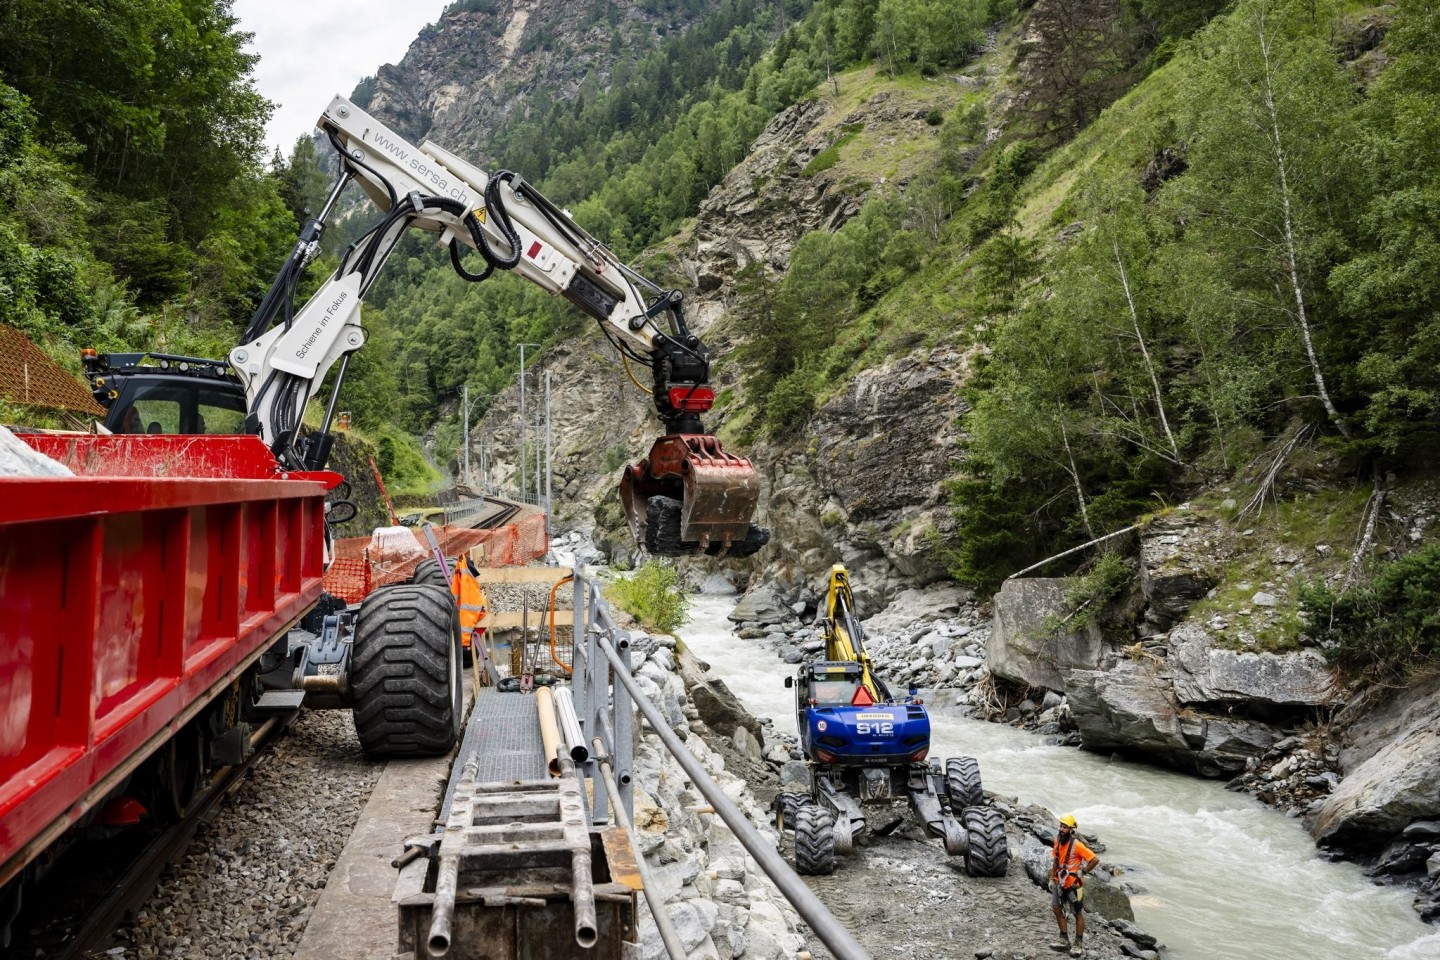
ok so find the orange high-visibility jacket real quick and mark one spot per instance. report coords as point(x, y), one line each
point(471, 598)
point(1069, 858)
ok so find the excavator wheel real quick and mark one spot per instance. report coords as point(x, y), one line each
point(405, 672)
point(814, 840)
point(785, 805)
point(962, 783)
point(662, 533)
point(428, 571)
point(988, 854)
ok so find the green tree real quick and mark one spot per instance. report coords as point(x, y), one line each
point(1386, 287)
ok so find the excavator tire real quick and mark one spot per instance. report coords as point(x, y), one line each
point(405, 672)
point(988, 854)
point(662, 533)
point(786, 804)
point(428, 572)
point(814, 840)
point(962, 783)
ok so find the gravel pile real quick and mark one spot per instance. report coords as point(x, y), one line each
point(252, 875)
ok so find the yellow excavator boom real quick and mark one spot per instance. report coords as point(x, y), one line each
point(843, 638)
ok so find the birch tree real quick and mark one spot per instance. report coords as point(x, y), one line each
point(1268, 177)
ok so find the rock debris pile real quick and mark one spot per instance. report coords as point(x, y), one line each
point(720, 901)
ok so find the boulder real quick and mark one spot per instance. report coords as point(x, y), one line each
point(718, 707)
point(761, 605)
point(1392, 764)
point(1132, 708)
point(718, 585)
point(1026, 647)
point(1205, 673)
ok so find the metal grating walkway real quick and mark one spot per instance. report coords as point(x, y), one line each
point(504, 730)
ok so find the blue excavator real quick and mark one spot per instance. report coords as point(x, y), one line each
point(866, 748)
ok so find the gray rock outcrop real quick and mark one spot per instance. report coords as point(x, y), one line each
point(1028, 643)
point(1392, 771)
point(1205, 673)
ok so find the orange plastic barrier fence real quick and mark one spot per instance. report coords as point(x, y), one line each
point(352, 574)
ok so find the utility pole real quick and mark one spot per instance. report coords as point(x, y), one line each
point(524, 451)
point(466, 405)
point(538, 446)
point(549, 504)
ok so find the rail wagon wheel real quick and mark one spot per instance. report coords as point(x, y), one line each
point(814, 840)
point(180, 771)
point(428, 573)
point(988, 854)
point(405, 672)
point(962, 783)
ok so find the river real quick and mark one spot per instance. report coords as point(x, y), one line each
point(1222, 876)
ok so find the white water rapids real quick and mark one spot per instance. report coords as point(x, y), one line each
point(1222, 875)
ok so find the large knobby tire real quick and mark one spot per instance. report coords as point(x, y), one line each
point(662, 533)
point(962, 783)
point(814, 840)
point(428, 573)
point(786, 803)
point(405, 672)
point(988, 854)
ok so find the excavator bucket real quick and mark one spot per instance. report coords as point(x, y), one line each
point(690, 496)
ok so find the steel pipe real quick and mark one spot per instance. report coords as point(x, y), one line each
point(549, 732)
point(582, 879)
point(570, 723)
point(442, 912)
point(832, 933)
point(673, 947)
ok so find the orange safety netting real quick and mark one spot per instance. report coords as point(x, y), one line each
point(354, 573)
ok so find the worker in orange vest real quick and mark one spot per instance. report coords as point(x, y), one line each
point(470, 597)
point(1070, 861)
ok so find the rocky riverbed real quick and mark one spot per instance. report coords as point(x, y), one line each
point(1362, 778)
point(899, 893)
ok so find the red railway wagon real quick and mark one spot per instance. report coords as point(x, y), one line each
point(131, 596)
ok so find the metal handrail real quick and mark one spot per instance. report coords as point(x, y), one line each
point(603, 661)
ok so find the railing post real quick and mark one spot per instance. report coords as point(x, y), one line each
point(581, 678)
point(623, 726)
point(598, 694)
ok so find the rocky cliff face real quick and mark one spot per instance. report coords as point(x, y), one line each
point(472, 69)
point(861, 485)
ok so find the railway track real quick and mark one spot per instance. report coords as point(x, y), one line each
point(80, 903)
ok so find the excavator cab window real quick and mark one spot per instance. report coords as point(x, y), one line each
point(834, 693)
point(156, 404)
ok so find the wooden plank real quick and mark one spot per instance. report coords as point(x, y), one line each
point(522, 574)
point(506, 620)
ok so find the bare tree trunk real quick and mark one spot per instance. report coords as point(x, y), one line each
point(1074, 472)
point(1145, 352)
point(1377, 500)
point(1301, 314)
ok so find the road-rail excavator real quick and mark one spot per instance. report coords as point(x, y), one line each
point(688, 496)
point(866, 747)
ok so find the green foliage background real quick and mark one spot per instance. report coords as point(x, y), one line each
point(653, 597)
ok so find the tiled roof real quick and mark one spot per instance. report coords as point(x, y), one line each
point(28, 376)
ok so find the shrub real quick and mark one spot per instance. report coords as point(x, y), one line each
point(1386, 627)
point(653, 597)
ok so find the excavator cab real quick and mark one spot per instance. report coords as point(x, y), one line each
point(160, 393)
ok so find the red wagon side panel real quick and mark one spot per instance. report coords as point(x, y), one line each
point(128, 602)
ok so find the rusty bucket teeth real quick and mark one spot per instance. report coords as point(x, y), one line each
point(690, 496)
